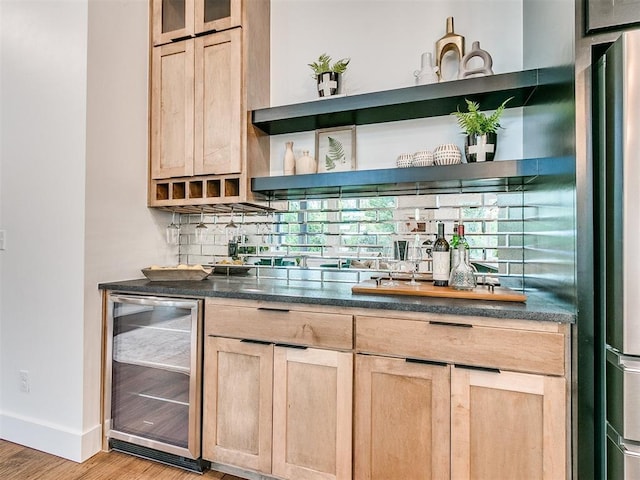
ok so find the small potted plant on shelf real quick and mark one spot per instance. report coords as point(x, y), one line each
point(481, 130)
point(328, 74)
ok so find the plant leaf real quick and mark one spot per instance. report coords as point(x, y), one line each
point(335, 154)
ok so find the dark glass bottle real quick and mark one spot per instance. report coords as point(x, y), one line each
point(441, 259)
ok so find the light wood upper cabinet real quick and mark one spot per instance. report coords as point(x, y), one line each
point(237, 405)
point(204, 149)
point(218, 103)
point(179, 19)
point(172, 107)
point(312, 419)
point(197, 107)
point(508, 425)
point(401, 419)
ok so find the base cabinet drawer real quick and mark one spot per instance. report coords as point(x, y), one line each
point(280, 324)
point(502, 348)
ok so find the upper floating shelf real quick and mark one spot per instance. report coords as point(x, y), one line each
point(506, 175)
point(412, 102)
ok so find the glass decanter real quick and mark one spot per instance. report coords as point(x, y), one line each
point(462, 276)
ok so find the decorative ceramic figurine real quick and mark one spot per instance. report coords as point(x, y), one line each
point(476, 51)
point(451, 42)
point(427, 73)
point(289, 159)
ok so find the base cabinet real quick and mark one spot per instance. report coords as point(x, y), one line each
point(273, 403)
point(313, 393)
point(237, 405)
point(401, 419)
point(312, 419)
point(507, 425)
point(420, 415)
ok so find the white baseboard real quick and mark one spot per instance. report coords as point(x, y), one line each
point(54, 439)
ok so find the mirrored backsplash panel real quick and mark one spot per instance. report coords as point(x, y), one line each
point(350, 239)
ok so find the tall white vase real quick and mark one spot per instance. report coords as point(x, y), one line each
point(289, 159)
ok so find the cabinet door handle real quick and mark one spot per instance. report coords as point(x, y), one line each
point(270, 309)
point(475, 367)
point(425, 362)
point(450, 324)
point(258, 342)
point(289, 345)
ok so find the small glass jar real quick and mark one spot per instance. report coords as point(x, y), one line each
point(462, 276)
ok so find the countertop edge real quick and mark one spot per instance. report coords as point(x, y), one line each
point(339, 295)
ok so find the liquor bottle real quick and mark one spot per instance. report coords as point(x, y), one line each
point(453, 247)
point(441, 259)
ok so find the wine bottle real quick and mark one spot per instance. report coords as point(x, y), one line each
point(458, 238)
point(441, 259)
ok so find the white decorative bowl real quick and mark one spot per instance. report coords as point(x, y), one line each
point(447, 154)
point(423, 158)
point(404, 160)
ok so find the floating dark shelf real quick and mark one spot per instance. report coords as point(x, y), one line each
point(507, 175)
point(412, 102)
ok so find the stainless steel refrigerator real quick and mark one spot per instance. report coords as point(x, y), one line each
point(617, 264)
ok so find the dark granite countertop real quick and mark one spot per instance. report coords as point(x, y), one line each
point(537, 307)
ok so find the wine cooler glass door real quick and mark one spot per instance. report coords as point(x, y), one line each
point(154, 373)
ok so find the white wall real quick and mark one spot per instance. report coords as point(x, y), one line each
point(73, 202)
point(385, 40)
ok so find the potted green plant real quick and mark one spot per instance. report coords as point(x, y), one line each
point(481, 130)
point(328, 74)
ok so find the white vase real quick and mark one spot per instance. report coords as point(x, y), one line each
point(289, 159)
point(306, 164)
point(427, 73)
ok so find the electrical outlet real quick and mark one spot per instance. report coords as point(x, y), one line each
point(25, 385)
point(3, 239)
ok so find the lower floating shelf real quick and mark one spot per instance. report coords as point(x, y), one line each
point(497, 176)
point(427, 289)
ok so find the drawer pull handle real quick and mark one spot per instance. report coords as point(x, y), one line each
point(269, 309)
point(289, 345)
point(451, 324)
point(425, 362)
point(258, 342)
point(475, 367)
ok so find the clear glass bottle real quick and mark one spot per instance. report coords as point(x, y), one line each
point(462, 275)
point(441, 259)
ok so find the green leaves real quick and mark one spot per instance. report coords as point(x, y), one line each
point(335, 154)
point(475, 122)
point(323, 64)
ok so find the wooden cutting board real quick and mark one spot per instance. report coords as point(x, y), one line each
point(427, 289)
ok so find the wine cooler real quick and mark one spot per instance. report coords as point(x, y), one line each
point(153, 378)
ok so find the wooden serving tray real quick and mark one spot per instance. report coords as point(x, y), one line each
point(427, 289)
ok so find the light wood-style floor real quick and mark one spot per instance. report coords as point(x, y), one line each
point(21, 463)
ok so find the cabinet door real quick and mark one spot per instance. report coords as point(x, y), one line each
point(218, 115)
point(217, 14)
point(237, 403)
point(402, 415)
point(507, 425)
point(172, 110)
point(172, 19)
point(312, 414)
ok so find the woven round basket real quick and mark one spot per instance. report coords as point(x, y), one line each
point(447, 154)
